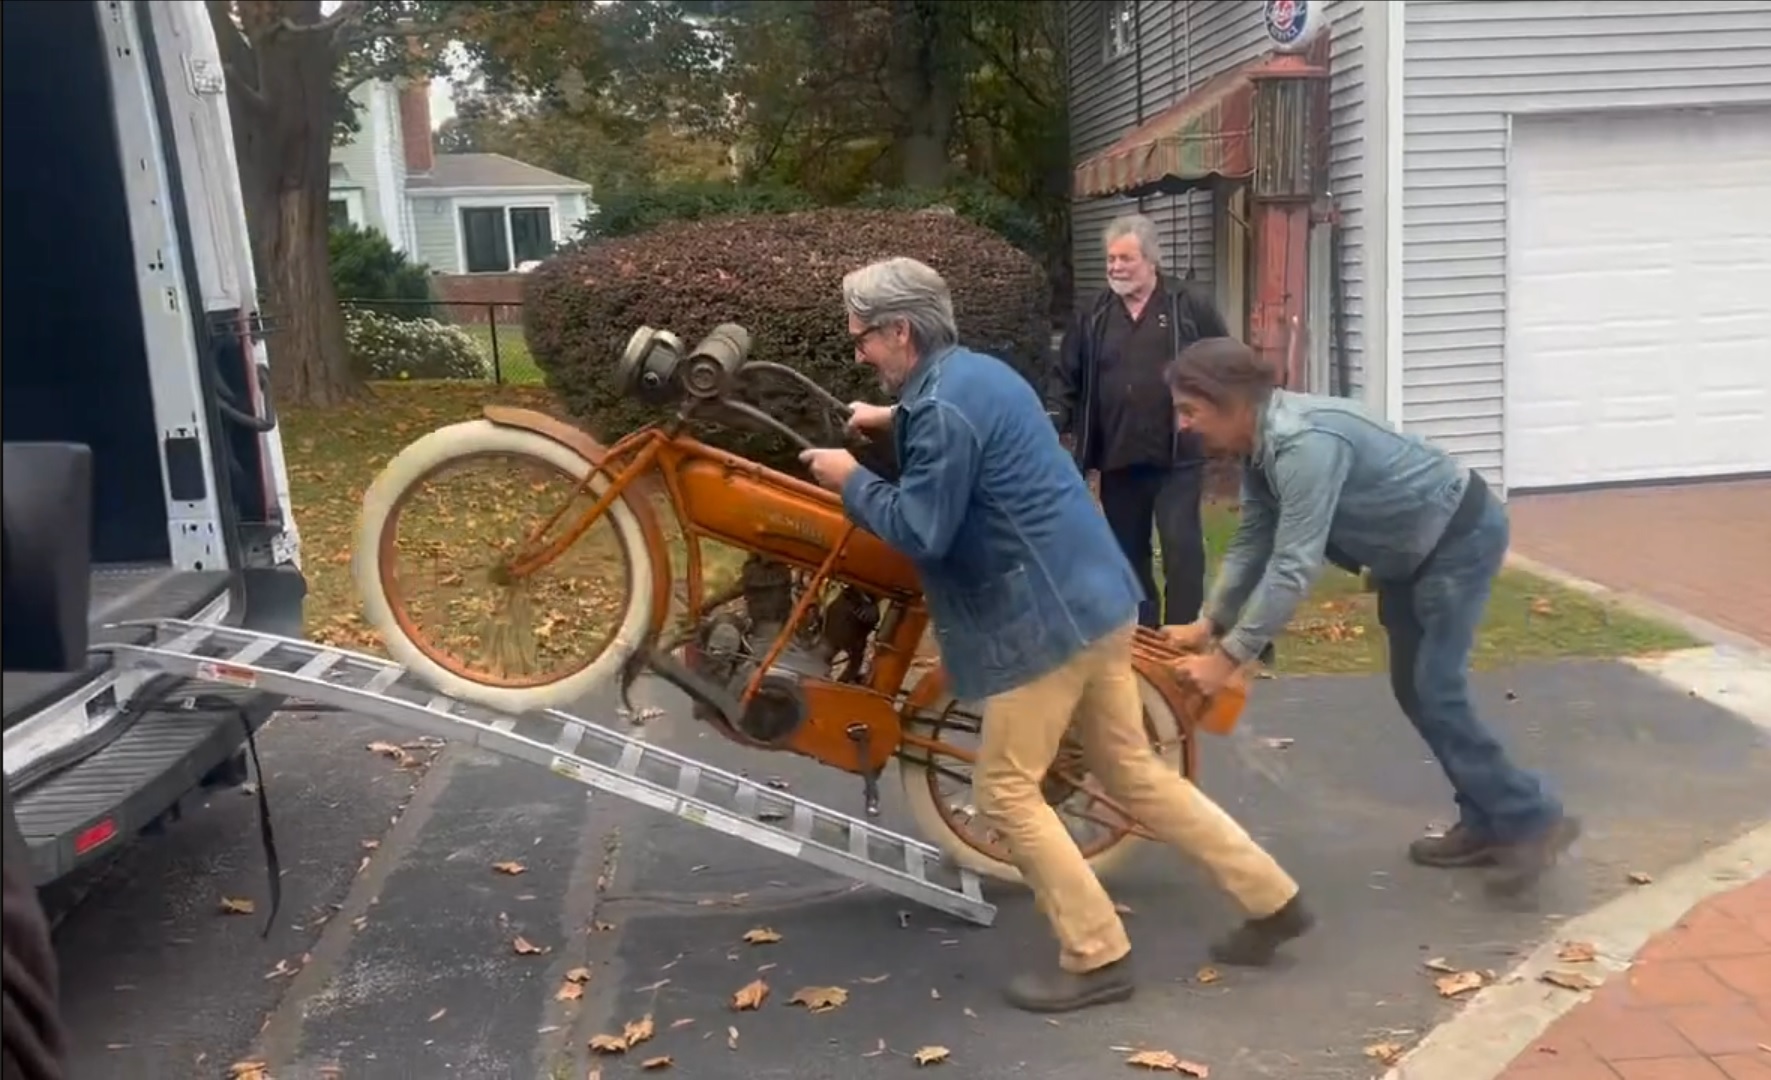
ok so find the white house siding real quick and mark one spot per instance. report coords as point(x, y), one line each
point(1181, 45)
point(433, 233)
point(435, 225)
point(1469, 65)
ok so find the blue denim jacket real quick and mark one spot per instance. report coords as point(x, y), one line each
point(1017, 563)
point(1326, 472)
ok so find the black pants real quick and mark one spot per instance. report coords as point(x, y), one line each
point(1145, 497)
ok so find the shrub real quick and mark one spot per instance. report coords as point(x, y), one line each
point(976, 203)
point(780, 276)
point(384, 347)
point(366, 267)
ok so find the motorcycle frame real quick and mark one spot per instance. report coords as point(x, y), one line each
point(663, 450)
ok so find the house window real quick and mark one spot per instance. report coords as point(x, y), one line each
point(338, 213)
point(498, 239)
point(1120, 36)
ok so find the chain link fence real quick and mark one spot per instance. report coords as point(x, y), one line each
point(492, 331)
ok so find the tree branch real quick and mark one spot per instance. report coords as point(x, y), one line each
point(994, 56)
point(348, 12)
point(238, 62)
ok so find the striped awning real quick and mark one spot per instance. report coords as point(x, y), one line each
point(1209, 133)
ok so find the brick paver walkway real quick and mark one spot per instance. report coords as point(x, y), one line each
point(1695, 1005)
point(1695, 547)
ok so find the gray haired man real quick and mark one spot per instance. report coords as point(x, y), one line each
point(1109, 400)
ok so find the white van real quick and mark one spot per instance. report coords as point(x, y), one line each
point(130, 327)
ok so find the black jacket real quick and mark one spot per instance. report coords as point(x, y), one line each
point(1071, 398)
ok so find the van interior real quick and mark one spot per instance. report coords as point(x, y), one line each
point(75, 355)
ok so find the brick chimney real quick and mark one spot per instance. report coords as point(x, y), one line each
point(415, 133)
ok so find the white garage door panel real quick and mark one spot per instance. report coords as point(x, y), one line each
point(1639, 298)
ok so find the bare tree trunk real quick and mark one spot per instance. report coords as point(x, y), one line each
point(283, 140)
point(926, 88)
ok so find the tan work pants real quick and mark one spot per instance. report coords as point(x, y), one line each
point(1022, 731)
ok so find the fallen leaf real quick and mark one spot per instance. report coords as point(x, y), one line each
point(1569, 980)
point(231, 906)
point(1439, 963)
point(1163, 1061)
point(600, 927)
point(1637, 877)
point(1577, 952)
point(509, 867)
point(569, 991)
point(1458, 982)
point(874, 980)
point(820, 998)
point(608, 1044)
point(1387, 1053)
point(522, 946)
point(750, 995)
point(248, 1070)
point(638, 1031)
point(682, 1023)
point(594, 1074)
point(578, 975)
point(1205, 976)
point(438, 1015)
point(656, 1063)
point(731, 1038)
point(762, 935)
point(1540, 605)
point(931, 1055)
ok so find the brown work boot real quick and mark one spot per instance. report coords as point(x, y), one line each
point(1458, 846)
point(1065, 991)
point(1523, 863)
point(1257, 941)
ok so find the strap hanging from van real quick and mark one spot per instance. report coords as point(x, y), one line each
point(267, 837)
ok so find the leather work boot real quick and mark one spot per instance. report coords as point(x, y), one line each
point(1255, 942)
point(1064, 991)
point(1457, 847)
point(1523, 863)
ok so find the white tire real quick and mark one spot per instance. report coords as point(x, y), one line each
point(919, 796)
point(466, 439)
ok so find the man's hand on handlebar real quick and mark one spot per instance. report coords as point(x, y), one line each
point(865, 419)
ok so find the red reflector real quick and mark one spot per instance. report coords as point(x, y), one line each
point(94, 835)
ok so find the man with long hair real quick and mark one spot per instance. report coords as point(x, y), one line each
point(1324, 481)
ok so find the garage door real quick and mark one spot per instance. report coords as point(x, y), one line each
point(1639, 298)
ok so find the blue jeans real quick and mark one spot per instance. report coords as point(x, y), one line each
point(1432, 624)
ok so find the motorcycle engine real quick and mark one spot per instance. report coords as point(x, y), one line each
point(731, 645)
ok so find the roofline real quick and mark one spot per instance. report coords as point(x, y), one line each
point(500, 189)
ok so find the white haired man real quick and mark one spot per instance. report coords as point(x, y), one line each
point(1109, 400)
point(1034, 606)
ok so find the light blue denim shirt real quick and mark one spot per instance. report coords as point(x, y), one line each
point(1325, 471)
point(1018, 566)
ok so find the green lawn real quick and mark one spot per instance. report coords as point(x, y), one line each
point(516, 365)
point(334, 454)
point(1337, 630)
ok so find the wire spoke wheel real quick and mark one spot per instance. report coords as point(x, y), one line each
point(940, 790)
point(445, 536)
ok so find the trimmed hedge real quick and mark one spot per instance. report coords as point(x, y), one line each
point(780, 276)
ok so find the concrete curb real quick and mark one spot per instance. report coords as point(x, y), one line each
point(1501, 1021)
point(1637, 604)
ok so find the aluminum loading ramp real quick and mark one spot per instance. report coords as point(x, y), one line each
point(571, 746)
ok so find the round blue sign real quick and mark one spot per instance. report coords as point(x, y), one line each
point(1292, 24)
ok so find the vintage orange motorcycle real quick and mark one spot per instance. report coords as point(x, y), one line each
point(812, 648)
